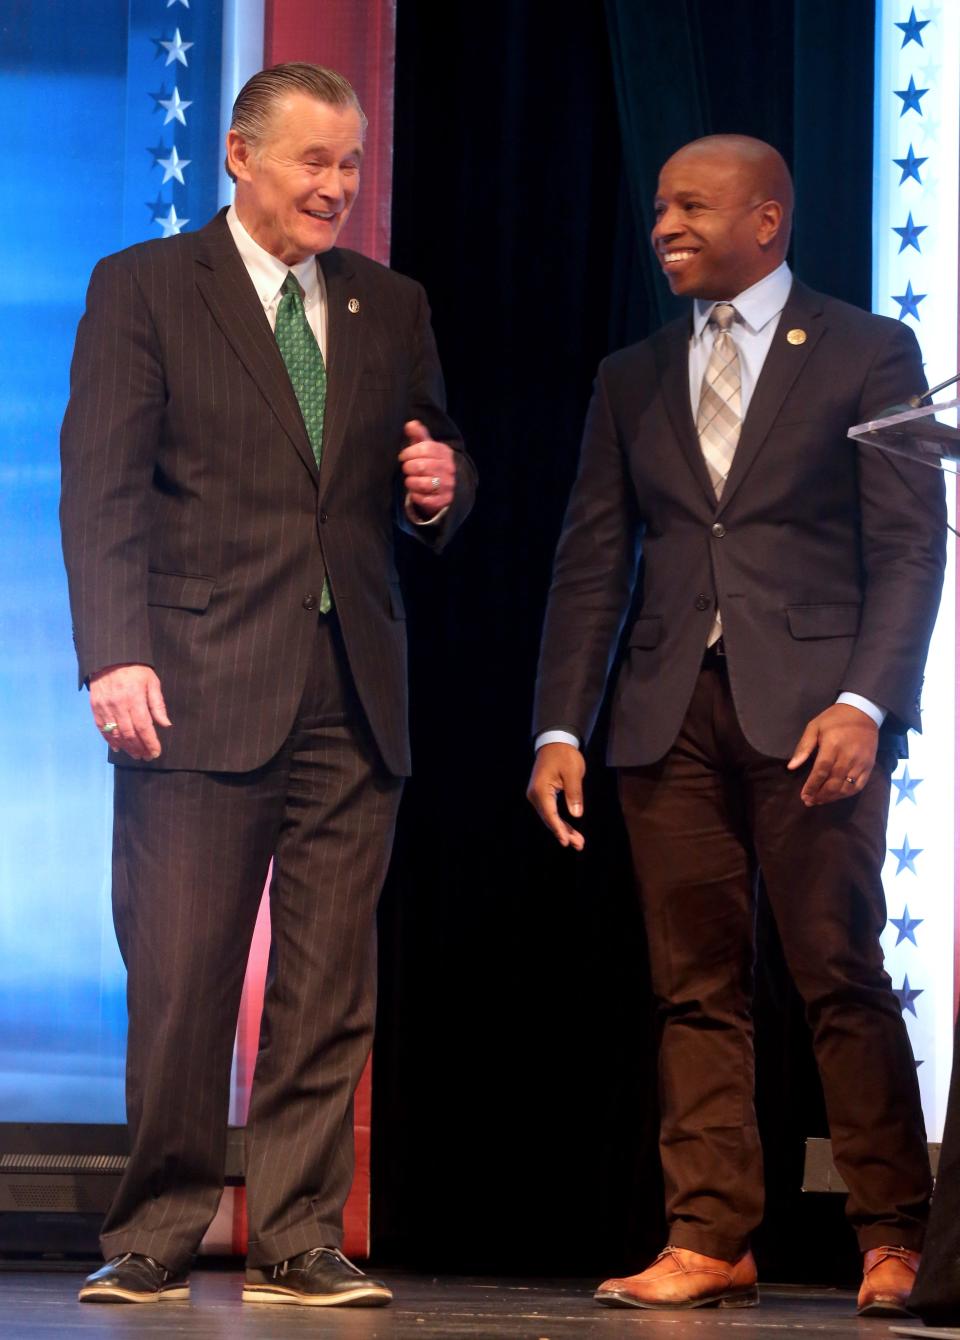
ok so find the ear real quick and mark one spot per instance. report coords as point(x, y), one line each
point(239, 155)
point(769, 221)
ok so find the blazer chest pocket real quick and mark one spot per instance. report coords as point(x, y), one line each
point(172, 590)
point(812, 621)
point(645, 633)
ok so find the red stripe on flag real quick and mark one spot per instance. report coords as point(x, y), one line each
point(357, 38)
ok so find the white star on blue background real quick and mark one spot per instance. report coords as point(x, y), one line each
point(173, 166)
point(175, 106)
point(171, 224)
point(906, 926)
point(906, 785)
point(177, 49)
point(908, 302)
point(906, 855)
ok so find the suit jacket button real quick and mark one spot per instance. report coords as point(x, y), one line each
point(703, 602)
point(309, 602)
point(323, 518)
point(718, 530)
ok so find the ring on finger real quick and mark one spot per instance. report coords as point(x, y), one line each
point(109, 727)
point(435, 484)
point(851, 780)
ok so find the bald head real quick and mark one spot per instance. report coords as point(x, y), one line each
point(759, 168)
point(723, 211)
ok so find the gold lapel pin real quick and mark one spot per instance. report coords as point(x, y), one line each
point(796, 336)
point(353, 305)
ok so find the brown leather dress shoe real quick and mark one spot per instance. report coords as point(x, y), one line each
point(888, 1276)
point(680, 1278)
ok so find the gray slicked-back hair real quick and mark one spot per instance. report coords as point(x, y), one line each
point(258, 99)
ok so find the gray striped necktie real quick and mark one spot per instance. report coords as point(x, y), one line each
point(718, 414)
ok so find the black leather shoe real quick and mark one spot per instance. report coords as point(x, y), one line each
point(132, 1278)
point(322, 1277)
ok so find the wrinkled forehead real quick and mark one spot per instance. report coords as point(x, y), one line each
point(303, 118)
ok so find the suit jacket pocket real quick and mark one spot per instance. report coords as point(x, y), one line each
point(812, 621)
point(173, 590)
point(645, 633)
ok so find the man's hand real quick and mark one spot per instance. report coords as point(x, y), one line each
point(845, 742)
point(129, 697)
point(558, 767)
point(429, 471)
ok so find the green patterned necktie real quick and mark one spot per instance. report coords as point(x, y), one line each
point(304, 362)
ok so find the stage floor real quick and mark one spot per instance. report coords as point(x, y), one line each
point(43, 1304)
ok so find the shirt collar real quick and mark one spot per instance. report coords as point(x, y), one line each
point(267, 272)
point(756, 305)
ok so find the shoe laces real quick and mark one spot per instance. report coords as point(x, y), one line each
point(283, 1266)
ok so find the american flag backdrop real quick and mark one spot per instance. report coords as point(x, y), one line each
point(915, 241)
point(173, 150)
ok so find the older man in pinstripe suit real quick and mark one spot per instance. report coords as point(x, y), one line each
point(253, 412)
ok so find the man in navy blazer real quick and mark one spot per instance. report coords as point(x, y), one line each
point(254, 412)
point(764, 594)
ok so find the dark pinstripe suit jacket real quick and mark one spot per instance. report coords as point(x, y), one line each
point(196, 528)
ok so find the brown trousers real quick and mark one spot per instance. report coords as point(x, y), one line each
point(701, 822)
point(191, 853)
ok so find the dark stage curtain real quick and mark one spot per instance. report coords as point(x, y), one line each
point(514, 1089)
point(798, 74)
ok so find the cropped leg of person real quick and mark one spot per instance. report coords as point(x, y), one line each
point(191, 853)
point(331, 861)
point(692, 855)
point(821, 868)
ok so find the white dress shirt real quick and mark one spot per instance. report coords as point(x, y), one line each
point(269, 276)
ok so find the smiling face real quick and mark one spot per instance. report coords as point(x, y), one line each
point(295, 188)
point(715, 231)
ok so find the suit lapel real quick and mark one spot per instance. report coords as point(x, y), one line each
point(227, 290)
point(344, 339)
point(782, 366)
point(672, 355)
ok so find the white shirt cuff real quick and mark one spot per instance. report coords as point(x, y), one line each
point(876, 714)
point(556, 737)
point(418, 520)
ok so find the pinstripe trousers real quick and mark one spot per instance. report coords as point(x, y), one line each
point(191, 853)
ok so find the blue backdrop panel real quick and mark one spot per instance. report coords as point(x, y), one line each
point(83, 85)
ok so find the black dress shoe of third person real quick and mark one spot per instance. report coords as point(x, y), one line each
point(322, 1277)
point(132, 1278)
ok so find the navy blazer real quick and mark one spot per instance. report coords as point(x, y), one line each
point(826, 557)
